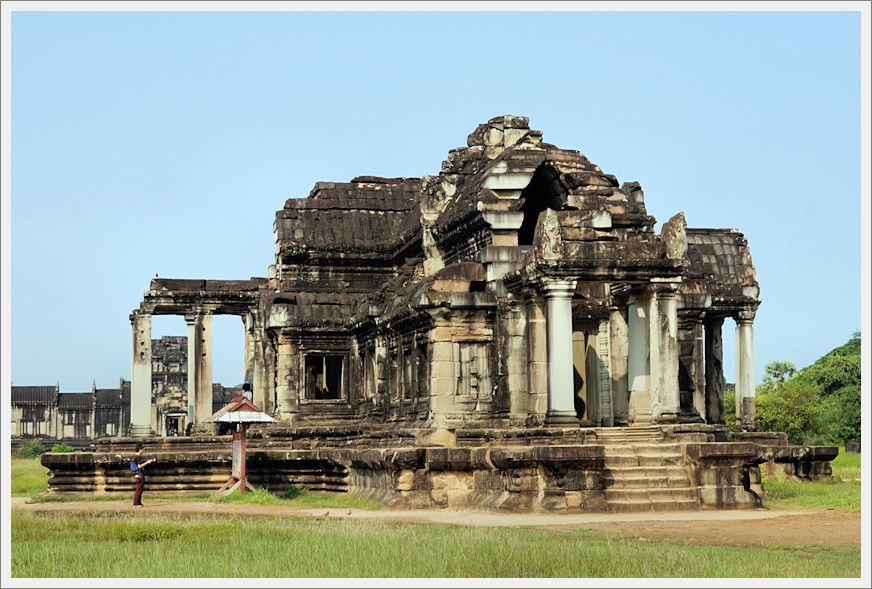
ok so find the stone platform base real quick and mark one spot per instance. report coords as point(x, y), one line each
point(678, 467)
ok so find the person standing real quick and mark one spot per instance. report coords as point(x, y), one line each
point(139, 475)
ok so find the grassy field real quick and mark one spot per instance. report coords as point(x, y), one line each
point(137, 544)
point(30, 479)
point(841, 492)
point(129, 545)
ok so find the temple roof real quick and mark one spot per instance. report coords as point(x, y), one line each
point(720, 266)
point(112, 397)
point(368, 214)
point(34, 395)
point(76, 401)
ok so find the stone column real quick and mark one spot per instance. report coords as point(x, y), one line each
point(247, 349)
point(558, 327)
point(745, 391)
point(638, 360)
point(203, 368)
point(691, 380)
point(619, 355)
point(140, 381)
point(269, 370)
point(286, 381)
point(192, 321)
point(698, 370)
point(258, 383)
point(714, 371)
point(515, 322)
point(537, 361)
point(604, 378)
point(665, 401)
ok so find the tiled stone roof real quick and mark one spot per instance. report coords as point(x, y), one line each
point(34, 395)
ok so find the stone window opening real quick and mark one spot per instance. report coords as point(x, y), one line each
point(323, 377)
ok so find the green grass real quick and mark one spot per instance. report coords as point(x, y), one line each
point(841, 492)
point(29, 477)
point(137, 544)
point(160, 496)
point(846, 465)
point(302, 498)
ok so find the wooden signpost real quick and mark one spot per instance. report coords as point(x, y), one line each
point(238, 479)
point(243, 413)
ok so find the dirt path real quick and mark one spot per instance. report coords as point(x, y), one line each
point(741, 527)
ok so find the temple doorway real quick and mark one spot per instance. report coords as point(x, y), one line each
point(174, 425)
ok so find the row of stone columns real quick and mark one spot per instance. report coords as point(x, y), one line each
point(644, 359)
point(199, 371)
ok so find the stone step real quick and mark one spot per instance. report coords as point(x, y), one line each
point(665, 494)
point(624, 472)
point(656, 505)
point(628, 431)
point(645, 482)
point(663, 459)
point(637, 448)
point(628, 439)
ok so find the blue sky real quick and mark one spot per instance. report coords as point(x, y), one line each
point(164, 143)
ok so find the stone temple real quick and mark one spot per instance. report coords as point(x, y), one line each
point(512, 333)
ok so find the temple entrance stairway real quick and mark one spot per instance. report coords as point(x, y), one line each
point(644, 472)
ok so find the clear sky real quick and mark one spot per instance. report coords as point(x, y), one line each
point(163, 143)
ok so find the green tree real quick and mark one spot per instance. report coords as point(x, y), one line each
point(778, 372)
point(793, 408)
point(833, 372)
point(841, 415)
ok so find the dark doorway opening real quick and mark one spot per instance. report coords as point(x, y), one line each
point(323, 376)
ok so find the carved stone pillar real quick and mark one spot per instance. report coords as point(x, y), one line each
point(639, 359)
point(248, 349)
point(286, 377)
point(558, 326)
point(714, 371)
point(691, 376)
point(258, 382)
point(537, 361)
point(140, 384)
point(745, 390)
point(665, 396)
point(192, 322)
point(602, 349)
point(203, 367)
point(619, 355)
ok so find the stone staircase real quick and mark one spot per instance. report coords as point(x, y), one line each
point(644, 472)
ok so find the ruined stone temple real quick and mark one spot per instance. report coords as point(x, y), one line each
point(520, 286)
point(512, 332)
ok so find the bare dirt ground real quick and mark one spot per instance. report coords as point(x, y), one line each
point(740, 527)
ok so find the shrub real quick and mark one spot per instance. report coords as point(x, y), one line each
point(29, 449)
point(62, 448)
